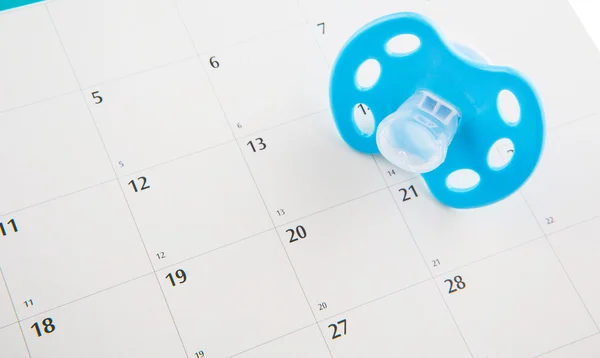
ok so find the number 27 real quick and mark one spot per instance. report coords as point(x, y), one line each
point(335, 329)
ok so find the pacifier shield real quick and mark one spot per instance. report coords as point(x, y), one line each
point(457, 102)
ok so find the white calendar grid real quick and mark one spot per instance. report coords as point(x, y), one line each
point(174, 186)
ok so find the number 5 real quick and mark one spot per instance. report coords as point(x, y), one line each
point(97, 97)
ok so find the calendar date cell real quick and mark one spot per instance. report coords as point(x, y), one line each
point(131, 320)
point(195, 204)
point(249, 285)
point(112, 39)
point(353, 253)
point(70, 248)
point(564, 189)
point(450, 238)
point(334, 21)
point(521, 296)
point(305, 167)
point(54, 150)
point(12, 342)
point(157, 116)
point(29, 37)
point(404, 323)
point(577, 248)
point(222, 27)
point(269, 80)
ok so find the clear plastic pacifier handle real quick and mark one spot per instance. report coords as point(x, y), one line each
point(416, 136)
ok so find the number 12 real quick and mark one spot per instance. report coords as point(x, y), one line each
point(144, 186)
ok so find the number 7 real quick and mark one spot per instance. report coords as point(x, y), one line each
point(322, 24)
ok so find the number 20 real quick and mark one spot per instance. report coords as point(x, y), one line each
point(299, 232)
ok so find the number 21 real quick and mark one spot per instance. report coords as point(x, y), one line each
point(407, 196)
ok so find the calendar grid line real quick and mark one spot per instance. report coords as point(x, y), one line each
point(571, 122)
point(273, 340)
point(8, 325)
point(573, 285)
point(191, 258)
point(8, 110)
point(137, 73)
point(173, 160)
point(331, 207)
point(12, 302)
point(441, 274)
point(412, 285)
point(57, 197)
point(116, 176)
point(99, 84)
point(560, 263)
point(423, 258)
point(224, 143)
point(572, 225)
point(210, 82)
point(295, 119)
point(568, 344)
point(106, 289)
point(238, 43)
point(301, 10)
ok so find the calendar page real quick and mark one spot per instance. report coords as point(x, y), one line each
point(173, 186)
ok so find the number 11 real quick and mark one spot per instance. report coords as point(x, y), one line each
point(11, 223)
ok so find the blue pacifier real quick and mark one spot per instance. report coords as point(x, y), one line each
point(436, 111)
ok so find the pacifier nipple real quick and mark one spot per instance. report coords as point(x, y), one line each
point(416, 136)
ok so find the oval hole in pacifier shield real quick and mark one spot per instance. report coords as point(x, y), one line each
point(402, 45)
point(462, 180)
point(367, 74)
point(364, 119)
point(500, 154)
point(509, 107)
